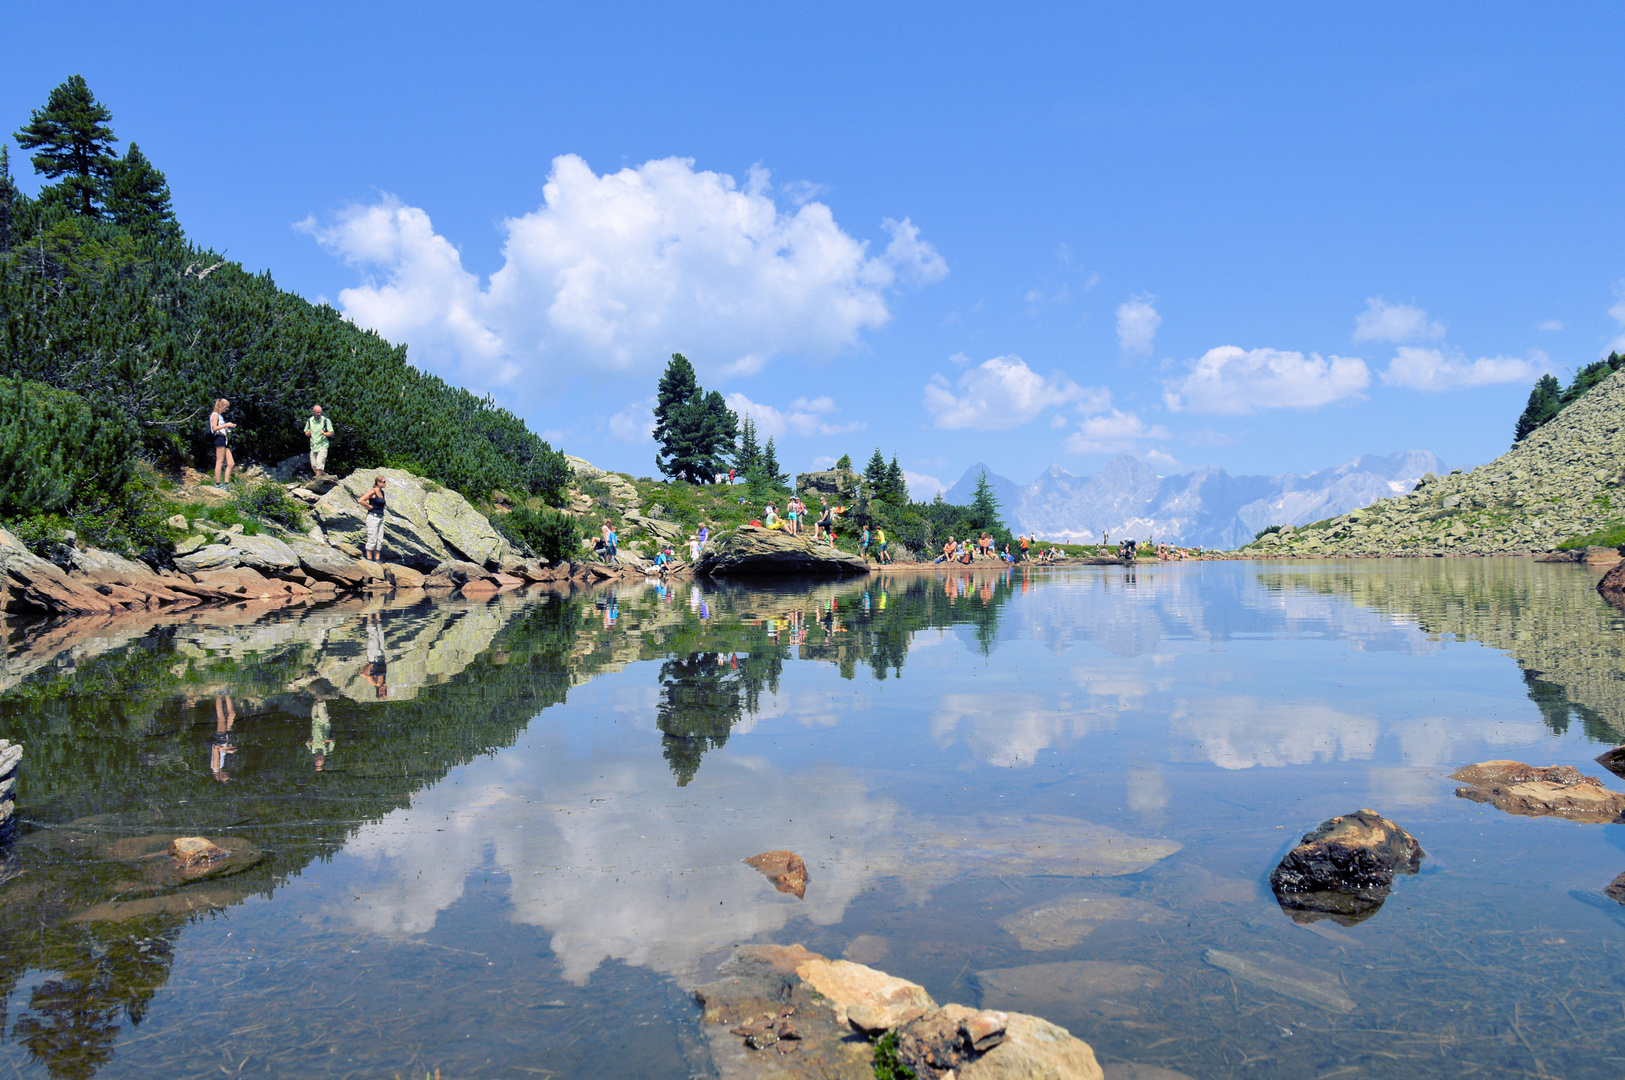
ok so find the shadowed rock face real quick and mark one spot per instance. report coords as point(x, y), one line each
point(1541, 791)
point(752, 552)
point(1345, 868)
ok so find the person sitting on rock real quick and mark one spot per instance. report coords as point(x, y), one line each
point(948, 550)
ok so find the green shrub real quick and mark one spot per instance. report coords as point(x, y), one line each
point(57, 453)
point(1265, 531)
point(886, 1066)
point(1610, 535)
point(269, 501)
point(549, 534)
point(129, 521)
point(226, 515)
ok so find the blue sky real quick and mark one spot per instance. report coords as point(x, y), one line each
point(1268, 240)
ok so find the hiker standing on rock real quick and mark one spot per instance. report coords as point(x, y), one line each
point(373, 500)
point(218, 430)
point(319, 429)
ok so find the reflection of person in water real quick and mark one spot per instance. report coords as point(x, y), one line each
point(321, 733)
point(376, 669)
point(225, 715)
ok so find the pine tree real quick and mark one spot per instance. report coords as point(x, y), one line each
point(845, 462)
point(749, 454)
point(695, 430)
point(984, 508)
point(73, 141)
point(1544, 402)
point(8, 199)
point(138, 197)
point(896, 489)
point(773, 482)
point(875, 473)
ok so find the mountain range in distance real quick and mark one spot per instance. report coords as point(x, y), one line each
point(1207, 507)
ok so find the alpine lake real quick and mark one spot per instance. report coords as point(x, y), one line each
point(506, 838)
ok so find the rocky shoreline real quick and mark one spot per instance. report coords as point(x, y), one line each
point(1565, 480)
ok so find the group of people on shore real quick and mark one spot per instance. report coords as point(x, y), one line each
point(318, 429)
point(794, 518)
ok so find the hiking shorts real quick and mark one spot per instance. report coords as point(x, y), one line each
point(318, 460)
point(375, 532)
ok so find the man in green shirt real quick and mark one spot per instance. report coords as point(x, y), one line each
point(320, 429)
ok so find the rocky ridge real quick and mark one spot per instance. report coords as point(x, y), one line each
point(1564, 480)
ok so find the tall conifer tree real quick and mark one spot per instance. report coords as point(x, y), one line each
point(771, 479)
point(138, 197)
point(695, 430)
point(8, 199)
point(896, 483)
point(73, 141)
point(875, 473)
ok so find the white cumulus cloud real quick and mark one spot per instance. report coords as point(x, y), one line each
point(613, 273)
point(1229, 379)
point(1003, 393)
point(635, 423)
point(922, 487)
point(1115, 432)
point(1137, 322)
point(1433, 370)
point(1382, 321)
point(804, 417)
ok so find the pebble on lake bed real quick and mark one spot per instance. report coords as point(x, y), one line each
point(784, 869)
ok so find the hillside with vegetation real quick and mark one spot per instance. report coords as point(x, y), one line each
point(119, 332)
point(1562, 485)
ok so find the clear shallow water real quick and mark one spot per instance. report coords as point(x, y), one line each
point(524, 843)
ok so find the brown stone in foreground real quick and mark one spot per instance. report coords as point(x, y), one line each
point(784, 869)
point(984, 1044)
point(1615, 890)
point(1344, 869)
point(190, 851)
point(1541, 791)
point(779, 1012)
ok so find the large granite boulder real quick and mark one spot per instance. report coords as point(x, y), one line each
point(329, 564)
point(264, 553)
point(428, 524)
point(749, 551)
point(1612, 586)
point(833, 484)
point(1541, 791)
point(1344, 869)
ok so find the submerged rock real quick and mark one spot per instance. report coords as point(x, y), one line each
point(784, 869)
point(749, 551)
point(1098, 988)
point(169, 860)
point(1064, 923)
point(1615, 890)
point(1541, 791)
point(1345, 868)
point(1284, 977)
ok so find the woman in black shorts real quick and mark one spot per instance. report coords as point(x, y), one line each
point(218, 429)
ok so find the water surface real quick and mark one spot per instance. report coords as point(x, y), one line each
point(505, 838)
